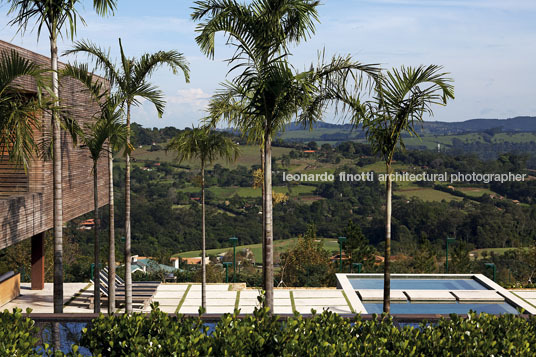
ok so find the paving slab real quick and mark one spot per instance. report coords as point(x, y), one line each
point(320, 302)
point(211, 302)
point(42, 301)
point(280, 294)
point(477, 295)
point(213, 295)
point(189, 310)
point(283, 309)
point(167, 301)
point(219, 309)
point(320, 308)
point(172, 287)
point(168, 294)
point(430, 295)
point(317, 293)
point(282, 302)
point(221, 302)
point(377, 295)
point(168, 309)
point(246, 309)
point(248, 302)
point(216, 287)
point(249, 294)
point(525, 294)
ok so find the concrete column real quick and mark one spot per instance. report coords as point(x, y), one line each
point(38, 261)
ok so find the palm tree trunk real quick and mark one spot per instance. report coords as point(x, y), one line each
point(269, 239)
point(58, 194)
point(128, 253)
point(96, 274)
point(111, 235)
point(263, 223)
point(203, 247)
point(387, 262)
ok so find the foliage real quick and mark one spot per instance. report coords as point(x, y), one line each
point(19, 112)
point(308, 263)
point(326, 334)
point(155, 335)
point(17, 334)
point(358, 245)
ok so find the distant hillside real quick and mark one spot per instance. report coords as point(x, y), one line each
point(341, 132)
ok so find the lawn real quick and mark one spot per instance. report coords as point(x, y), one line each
point(249, 155)
point(426, 194)
point(249, 192)
point(280, 246)
point(497, 251)
point(474, 191)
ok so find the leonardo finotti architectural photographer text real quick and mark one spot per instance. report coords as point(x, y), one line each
point(405, 176)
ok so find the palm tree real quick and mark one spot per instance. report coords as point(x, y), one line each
point(130, 81)
point(268, 103)
point(207, 146)
point(19, 113)
point(56, 16)
point(401, 99)
point(268, 93)
point(107, 127)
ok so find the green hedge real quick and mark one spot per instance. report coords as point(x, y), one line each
point(18, 334)
point(325, 334)
point(262, 334)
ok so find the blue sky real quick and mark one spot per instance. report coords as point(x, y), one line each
point(488, 46)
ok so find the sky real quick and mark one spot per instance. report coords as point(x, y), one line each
point(487, 46)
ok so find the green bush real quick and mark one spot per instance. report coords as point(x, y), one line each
point(263, 334)
point(157, 334)
point(18, 334)
point(325, 334)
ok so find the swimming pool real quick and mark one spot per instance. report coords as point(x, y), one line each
point(431, 294)
point(442, 308)
point(417, 284)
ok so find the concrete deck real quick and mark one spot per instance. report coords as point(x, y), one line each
point(527, 295)
point(186, 299)
point(377, 295)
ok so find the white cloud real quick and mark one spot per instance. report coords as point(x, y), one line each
point(196, 98)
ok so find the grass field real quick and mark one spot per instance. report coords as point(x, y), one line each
point(474, 191)
point(249, 155)
point(431, 141)
point(249, 192)
point(497, 251)
point(426, 194)
point(280, 246)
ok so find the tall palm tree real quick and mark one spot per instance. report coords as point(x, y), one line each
point(262, 107)
point(57, 16)
point(130, 81)
point(207, 146)
point(108, 128)
point(401, 99)
point(19, 113)
point(268, 90)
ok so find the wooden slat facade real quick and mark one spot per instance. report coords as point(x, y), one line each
point(26, 197)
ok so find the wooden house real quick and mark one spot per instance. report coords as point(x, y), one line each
point(26, 197)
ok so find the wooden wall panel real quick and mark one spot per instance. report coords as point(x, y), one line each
point(26, 208)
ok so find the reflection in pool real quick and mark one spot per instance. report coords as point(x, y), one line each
point(442, 308)
point(417, 284)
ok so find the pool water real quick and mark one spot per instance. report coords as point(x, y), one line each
point(417, 284)
point(442, 308)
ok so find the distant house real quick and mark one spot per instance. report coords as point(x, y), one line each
point(148, 265)
point(175, 262)
point(309, 151)
point(86, 225)
point(195, 260)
